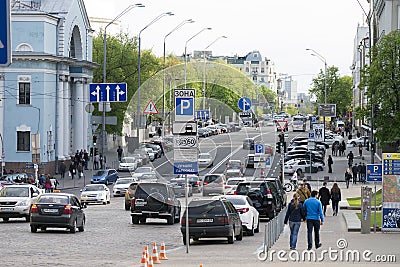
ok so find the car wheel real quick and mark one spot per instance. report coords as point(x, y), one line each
point(33, 229)
point(72, 230)
point(178, 218)
point(82, 227)
point(104, 202)
point(27, 218)
point(107, 182)
point(251, 231)
point(320, 168)
point(127, 206)
point(257, 229)
point(142, 220)
point(6, 219)
point(240, 236)
point(196, 238)
point(171, 220)
point(135, 220)
point(231, 238)
point(108, 202)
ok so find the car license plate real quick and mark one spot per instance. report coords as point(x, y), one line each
point(141, 203)
point(7, 209)
point(50, 210)
point(205, 220)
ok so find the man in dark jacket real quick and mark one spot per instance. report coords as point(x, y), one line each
point(324, 197)
point(354, 170)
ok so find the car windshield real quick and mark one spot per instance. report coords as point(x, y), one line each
point(233, 182)
point(148, 176)
point(144, 190)
point(100, 173)
point(234, 165)
point(204, 156)
point(143, 170)
point(124, 181)
point(212, 178)
point(243, 189)
point(128, 160)
point(237, 201)
point(93, 188)
point(14, 192)
point(200, 207)
point(53, 199)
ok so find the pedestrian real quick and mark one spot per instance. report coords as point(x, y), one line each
point(354, 170)
point(303, 192)
point(336, 196)
point(62, 169)
point(359, 170)
point(343, 148)
point(360, 149)
point(324, 196)
point(96, 162)
point(119, 152)
point(54, 183)
point(86, 158)
point(47, 185)
point(350, 157)
point(315, 218)
point(295, 214)
point(101, 161)
point(72, 170)
point(350, 136)
point(80, 170)
point(159, 131)
point(347, 177)
point(363, 173)
point(293, 179)
point(330, 162)
point(307, 184)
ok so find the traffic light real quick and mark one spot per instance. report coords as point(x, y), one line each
point(281, 138)
point(94, 140)
point(278, 147)
point(95, 151)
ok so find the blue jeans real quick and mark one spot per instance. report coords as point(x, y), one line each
point(335, 206)
point(313, 225)
point(294, 232)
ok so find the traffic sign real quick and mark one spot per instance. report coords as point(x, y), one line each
point(185, 141)
point(259, 149)
point(268, 162)
point(313, 119)
point(203, 114)
point(184, 128)
point(184, 104)
point(244, 103)
point(327, 110)
point(5, 34)
point(319, 132)
point(150, 108)
point(374, 173)
point(311, 135)
point(282, 124)
point(108, 92)
point(186, 168)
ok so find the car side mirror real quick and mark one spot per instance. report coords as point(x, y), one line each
point(80, 190)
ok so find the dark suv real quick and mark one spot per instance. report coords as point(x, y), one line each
point(278, 192)
point(213, 218)
point(154, 200)
point(261, 195)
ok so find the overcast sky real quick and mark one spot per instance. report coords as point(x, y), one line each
point(280, 29)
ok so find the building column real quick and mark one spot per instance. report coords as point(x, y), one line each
point(67, 117)
point(60, 118)
point(85, 115)
point(78, 132)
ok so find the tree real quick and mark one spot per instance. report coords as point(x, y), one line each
point(382, 78)
point(338, 90)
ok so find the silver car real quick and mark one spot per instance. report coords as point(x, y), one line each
point(214, 184)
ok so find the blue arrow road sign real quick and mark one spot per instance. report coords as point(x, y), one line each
point(202, 114)
point(259, 148)
point(5, 35)
point(244, 103)
point(108, 92)
point(374, 172)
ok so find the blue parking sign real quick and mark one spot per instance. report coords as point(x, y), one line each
point(374, 172)
point(184, 104)
point(259, 148)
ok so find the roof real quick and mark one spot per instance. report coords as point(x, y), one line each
point(254, 56)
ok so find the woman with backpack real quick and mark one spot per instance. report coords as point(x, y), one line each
point(336, 196)
point(295, 214)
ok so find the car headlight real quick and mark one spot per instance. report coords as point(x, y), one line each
point(23, 203)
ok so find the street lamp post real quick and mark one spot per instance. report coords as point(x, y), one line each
point(126, 10)
point(2, 154)
point(138, 117)
point(203, 91)
point(163, 97)
point(185, 55)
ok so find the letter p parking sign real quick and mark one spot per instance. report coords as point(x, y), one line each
point(184, 105)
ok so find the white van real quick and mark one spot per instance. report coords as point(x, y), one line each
point(340, 125)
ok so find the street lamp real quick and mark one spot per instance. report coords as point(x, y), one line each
point(138, 118)
point(204, 70)
point(165, 37)
point(126, 10)
point(316, 54)
point(186, 50)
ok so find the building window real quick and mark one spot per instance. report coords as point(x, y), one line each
point(23, 142)
point(24, 97)
point(262, 70)
point(247, 69)
point(254, 78)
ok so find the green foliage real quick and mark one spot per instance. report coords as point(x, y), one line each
point(383, 81)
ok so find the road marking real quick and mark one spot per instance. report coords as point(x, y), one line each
point(223, 160)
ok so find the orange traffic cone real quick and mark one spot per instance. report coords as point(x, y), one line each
point(151, 264)
point(146, 250)
point(155, 254)
point(163, 254)
point(143, 262)
point(201, 265)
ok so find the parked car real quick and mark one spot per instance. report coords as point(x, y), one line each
point(128, 164)
point(213, 184)
point(179, 186)
point(280, 189)
point(150, 153)
point(154, 200)
point(234, 167)
point(212, 218)
point(302, 166)
point(57, 210)
point(355, 142)
point(248, 143)
point(95, 193)
point(248, 214)
point(205, 160)
point(203, 132)
point(141, 170)
point(261, 195)
point(194, 181)
point(121, 185)
point(231, 185)
point(16, 200)
point(105, 176)
point(249, 161)
point(148, 177)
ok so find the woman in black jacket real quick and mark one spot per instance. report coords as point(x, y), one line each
point(295, 214)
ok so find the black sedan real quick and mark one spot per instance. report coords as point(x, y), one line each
point(57, 210)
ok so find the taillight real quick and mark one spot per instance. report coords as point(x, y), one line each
point(220, 183)
point(227, 186)
point(205, 183)
point(269, 195)
point(34, 208)
point(223, 220)
point(235, 192)
point(183, 220)
point(198, 182)
point(242, 210)
point(132, 202)
point(67, 209)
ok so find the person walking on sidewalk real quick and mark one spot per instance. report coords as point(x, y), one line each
point(363, 173)
point(350, 157)
point(324, 196)
point(315, 218)
point(354, 170)
point(360, 149)
point(62, 169)
point(330, 162)
point(119, 152)
point(295, 214)
point(336, 196)
point(303, 192)
point(347, 177)
point(72, 170)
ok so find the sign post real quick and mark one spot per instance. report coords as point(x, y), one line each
point(374, 174)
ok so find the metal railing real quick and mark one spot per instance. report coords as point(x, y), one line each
point(273, 230)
